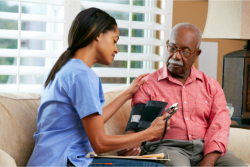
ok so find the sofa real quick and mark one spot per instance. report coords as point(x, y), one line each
point(18, 113)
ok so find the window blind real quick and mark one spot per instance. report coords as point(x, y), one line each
point(36, 32)
point(33, 34)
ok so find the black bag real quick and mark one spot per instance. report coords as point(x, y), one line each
point(151, 111)
point(143, 115)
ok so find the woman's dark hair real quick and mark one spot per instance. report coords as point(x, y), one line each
point(87, 25)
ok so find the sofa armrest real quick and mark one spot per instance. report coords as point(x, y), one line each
point(239, 143)
point(6, 159)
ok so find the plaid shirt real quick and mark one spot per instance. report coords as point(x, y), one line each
point(202, 112)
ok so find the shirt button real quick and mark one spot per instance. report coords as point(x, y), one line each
point(186, 118)
point(183, 86)
point(205, 101)
point(189, 135)
point(185, 102)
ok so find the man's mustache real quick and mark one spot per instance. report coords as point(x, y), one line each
point(172, 61)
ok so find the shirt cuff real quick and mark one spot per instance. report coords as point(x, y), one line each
point(212, 147)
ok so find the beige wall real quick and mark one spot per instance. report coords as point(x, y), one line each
point(195, 12)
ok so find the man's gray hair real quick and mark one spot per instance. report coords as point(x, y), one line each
point(187, 26)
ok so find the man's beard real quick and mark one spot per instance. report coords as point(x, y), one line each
point(172, 61)
point(175, 71)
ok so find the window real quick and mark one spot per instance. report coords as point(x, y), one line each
point(31, 39)
point(33, 34)
point(144, 26)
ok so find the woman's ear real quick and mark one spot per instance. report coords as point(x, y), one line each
point(97, 38)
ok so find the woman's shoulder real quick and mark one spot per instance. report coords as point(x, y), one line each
point(75, 67)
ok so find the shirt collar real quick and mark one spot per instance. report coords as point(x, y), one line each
point(164, 73)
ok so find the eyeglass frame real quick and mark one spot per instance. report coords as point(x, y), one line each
point(178, 50)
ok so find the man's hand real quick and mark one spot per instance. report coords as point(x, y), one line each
point(134, 151)
point(210, 159)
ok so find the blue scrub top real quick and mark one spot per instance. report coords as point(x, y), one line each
point(75, 93)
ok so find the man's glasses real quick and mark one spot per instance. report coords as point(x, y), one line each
point(184, 53)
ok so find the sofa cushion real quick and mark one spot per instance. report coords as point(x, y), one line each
point(116, 125)
point(18, 124)
point(6, 159)
point(239, 143)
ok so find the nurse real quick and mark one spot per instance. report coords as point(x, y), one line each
point(71, 116)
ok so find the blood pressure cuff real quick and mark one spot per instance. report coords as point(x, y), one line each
point(135, 117)
point(143, 115)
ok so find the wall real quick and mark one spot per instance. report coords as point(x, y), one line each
point(195, 12)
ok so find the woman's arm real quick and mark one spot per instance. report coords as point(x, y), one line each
point(130, 151)
point(100, 142)
point(109, 110)
point(112, 107)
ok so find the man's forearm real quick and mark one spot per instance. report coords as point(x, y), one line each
point(210, 159)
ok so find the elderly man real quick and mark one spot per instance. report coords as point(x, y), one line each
point(199, 130)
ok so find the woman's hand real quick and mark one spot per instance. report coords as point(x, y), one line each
point(158, 125)
point(136, 84)
point(112, 107)
point(156, 130)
